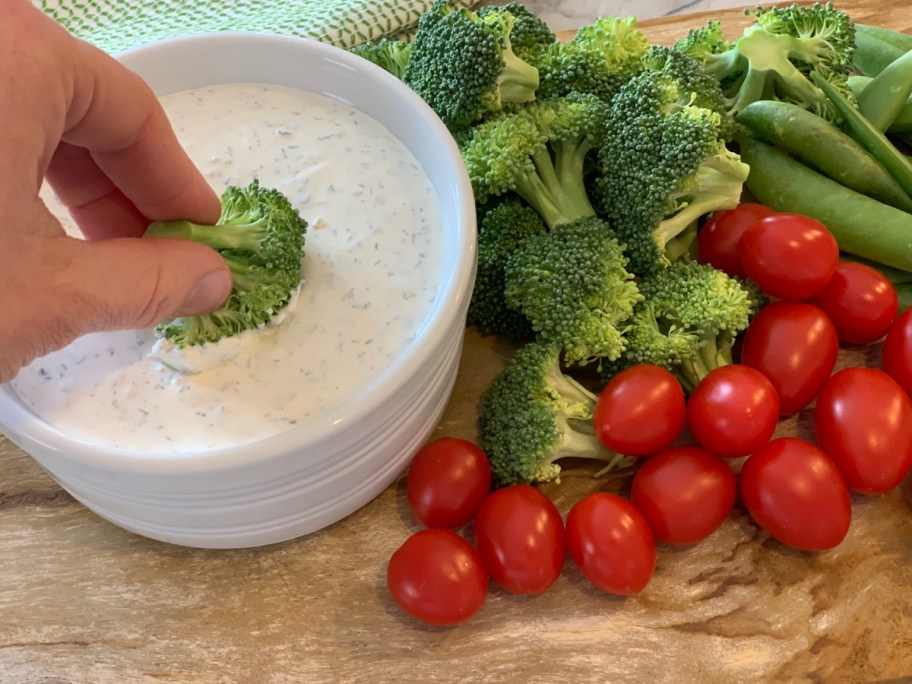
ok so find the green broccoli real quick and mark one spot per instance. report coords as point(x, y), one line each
point(502, 229)
point(572, 284)
point(540, 152)
point(664, 164)
point(530, 35)
point(387, 53)
point(600, 58)
point(688, 320)
point(261, 237)
point(774, 58)
point(463, 66)
point(533, 415)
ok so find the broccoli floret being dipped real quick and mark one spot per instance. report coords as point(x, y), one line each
point(502, 229)
point(261, 237)
point(600, 58)
point(533, 415)
point(688, 320)
point(664, 165)
point(774, 58)
point(530, 36)
point(539, 152)
point(463, 66)
point(573, 285)
point(391, 55)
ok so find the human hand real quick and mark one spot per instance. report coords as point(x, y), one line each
point(74, 116)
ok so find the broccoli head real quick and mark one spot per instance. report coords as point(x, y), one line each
point(601, 57)
point(387, 53)
point(530, 36)
point(261, 237)
point(775, 57)
point(573, 285)
point(664, 165)
point(462, 64)
point(502, 229)
point(540, 152)
point(688, 320)
point(533, 415)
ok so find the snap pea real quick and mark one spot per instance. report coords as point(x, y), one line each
point(904, 294)
point(897, 39)
point(872, 54)
point(820, 144)
point(874, 141)
point(895, 275)
point(861, 225)
point(902, 123)
point(882, 99)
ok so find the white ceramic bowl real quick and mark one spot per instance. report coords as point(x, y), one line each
point(310, 476)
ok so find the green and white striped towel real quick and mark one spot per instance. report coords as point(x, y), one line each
point(115, 25)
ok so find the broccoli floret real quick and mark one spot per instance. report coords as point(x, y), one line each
point(664, 164)
point(774, 58)
point(530, 35)
point(573, 285)
point(463, 65)
point(688, 320)
point(261, 237)
point(502, 229)
point(540, 152)
point(387, 53)
point(533, 415)
point(600, 58)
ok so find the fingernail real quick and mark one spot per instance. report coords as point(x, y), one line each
point(209, 293)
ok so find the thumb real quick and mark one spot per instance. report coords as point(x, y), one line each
point(126, 283)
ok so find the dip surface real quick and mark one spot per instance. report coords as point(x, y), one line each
point(373, 261)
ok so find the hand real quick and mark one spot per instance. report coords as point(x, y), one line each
point(74, 116)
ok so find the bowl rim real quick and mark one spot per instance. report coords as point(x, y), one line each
point(456, 280)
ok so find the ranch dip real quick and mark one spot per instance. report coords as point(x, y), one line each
point(373, 259)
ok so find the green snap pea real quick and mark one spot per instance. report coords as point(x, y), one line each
point(904, 294)
point(873, 140)
point(902, 123)
point(882, 99)
point(861, 225)
point(824, 147)
point(897, 39)
point(872, 54)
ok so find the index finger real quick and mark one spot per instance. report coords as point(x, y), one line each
point(115, 116)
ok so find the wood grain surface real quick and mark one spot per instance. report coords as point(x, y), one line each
point(84, 601)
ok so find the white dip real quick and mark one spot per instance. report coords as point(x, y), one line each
point(374, 255)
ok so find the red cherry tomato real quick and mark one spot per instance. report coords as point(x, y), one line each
point(640, 411)
point(789, 256)
point(897, 351)
point(611, 543)
point(717, 241)
point(733, 411)
point(685, 493)
point(795, 345)
point(860, 301)
point(447, 481)
point(795, 492)
point(437, 577)
point(520, 537)
point(863, 421)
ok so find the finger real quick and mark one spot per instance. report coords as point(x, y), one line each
point(117, 118)
point(97, 206)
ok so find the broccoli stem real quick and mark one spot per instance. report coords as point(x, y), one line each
point(231, 235)
point(555, 188)
point(715, 352)
point(518, 81)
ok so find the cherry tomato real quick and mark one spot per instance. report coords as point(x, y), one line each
point(733, 411)
point(897, 351)
point(447, 481)
point(789, 256)
point(520, 537)
point(795, 492)
point(860, 301)
point(717, 241)
point(640, 411)
point(863, 421)
point(795, 345)
point(611, 543)
point(685, 493)
point(437, 577)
